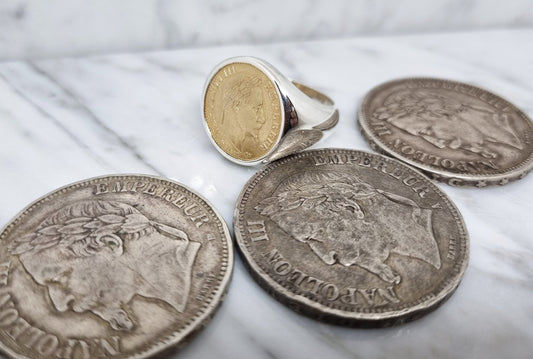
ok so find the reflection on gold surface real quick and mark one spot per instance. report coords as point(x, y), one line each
point(243, 112)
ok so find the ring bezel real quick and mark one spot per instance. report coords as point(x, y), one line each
point(302, 108)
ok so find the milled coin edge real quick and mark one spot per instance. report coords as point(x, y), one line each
point(515, 173)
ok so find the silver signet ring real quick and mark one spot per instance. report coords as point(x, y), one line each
point(253, 114)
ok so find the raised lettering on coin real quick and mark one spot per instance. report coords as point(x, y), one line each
point(120, 266)
point(457, 132)
point(353, 237)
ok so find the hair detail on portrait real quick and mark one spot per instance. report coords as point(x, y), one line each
point(446, 122)
point(85, 228)
point(97, 255)
point(241, 90)
point(350, 222)
point(243, 114)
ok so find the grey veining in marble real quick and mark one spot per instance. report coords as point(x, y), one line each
point(57, 28)
point(69, 119)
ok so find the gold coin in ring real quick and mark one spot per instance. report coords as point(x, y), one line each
point(243, 111)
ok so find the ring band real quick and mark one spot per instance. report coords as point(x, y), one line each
point(253, 114)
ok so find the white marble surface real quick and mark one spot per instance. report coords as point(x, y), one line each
point(69, 119)
point(58, 28)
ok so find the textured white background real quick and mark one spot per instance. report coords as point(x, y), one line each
point(57, 28)
point(66, 119)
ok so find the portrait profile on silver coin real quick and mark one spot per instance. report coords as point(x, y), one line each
point(95, 256)
point(446, 122)
point(346, 221)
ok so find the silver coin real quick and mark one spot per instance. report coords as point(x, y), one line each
point(455, 132)
point(120, 266)
point(351, 237)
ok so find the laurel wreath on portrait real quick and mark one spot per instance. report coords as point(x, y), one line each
point(85, 236)
point(406, 103)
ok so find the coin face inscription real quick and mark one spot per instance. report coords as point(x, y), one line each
point(242, 110)
point(351, 237)
point(455, 131)
point(118, 266)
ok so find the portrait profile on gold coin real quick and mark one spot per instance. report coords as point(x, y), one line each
point(96, 256)
point(243, 115)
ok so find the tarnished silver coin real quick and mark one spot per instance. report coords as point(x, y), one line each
point(351, 237)
point(455, 132)
point(116, 267)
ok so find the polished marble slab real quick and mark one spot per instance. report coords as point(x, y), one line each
point(69, 119)
point(59, 28)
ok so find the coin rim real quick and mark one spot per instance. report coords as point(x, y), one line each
point(258, 64)
point(455, 179)
point(309, 307)
point(179, 338)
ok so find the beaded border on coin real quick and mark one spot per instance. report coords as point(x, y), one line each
point(305, 113)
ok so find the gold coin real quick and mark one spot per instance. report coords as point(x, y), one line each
point(242, 109)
